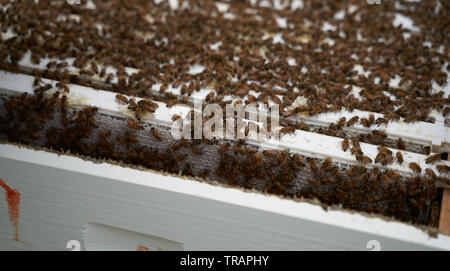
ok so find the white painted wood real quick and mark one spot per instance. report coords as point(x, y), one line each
point(66, 198)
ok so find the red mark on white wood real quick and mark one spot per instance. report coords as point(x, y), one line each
point(13, 199)
point(142, 248)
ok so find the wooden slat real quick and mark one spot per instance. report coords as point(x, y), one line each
point(444, 221)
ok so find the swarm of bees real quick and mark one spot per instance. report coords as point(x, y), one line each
point(47, 120)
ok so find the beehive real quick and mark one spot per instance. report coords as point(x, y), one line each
point(319, 94)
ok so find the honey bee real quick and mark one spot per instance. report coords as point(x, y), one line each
point(196, 150)
point(355, 143)
point(383, 158)
point(104, 134)
point(51, 64)
point(283, 154)
point(415, 167)
point(128, 138)
point(352, 121)
point(401, 144)
point(90, 109)
point(381, 121)
point(327, 180)
point(341, 123)
point(122, 98)
point(385, 179)
point(63, 86)
point(102, 72)
point(275, 99)
point(371, 119)
point(365, 122)
point(175, 117)
point(326, 164)
point(258, 159)
point(288, 113)
point(446, 111)
point(379, 134)
point(301, 126)
point(384, 150)
point(171, 103)
point(204, 173)
point(443, 169)
point(248, 151)
point(298, 160)
point(399, 158)
point(287, 130)
point(433, 158)
point(210, 96)
point(35, 59)
point(345, 144)
point(37, 81)
point(179, 158)
point(393, 174)
point(109, 78)
point(313, 166)
point(270, 153)
point(314, 182)
point(373, 176)
point(222, 148)
point(366, 160)
point(133, 125)
point(94, 67)
point(174, 148)
point(430, 173)
point(188, 170)
point(356, 151)
point(156, 134)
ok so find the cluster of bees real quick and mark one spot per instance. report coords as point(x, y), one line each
point(138, 108)
point(269, 73)
point(279, 172)
point(246, 60)
point(357, 187)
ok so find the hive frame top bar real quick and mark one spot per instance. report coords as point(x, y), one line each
point(307, 143)
point(86, 96)
point(435, 135)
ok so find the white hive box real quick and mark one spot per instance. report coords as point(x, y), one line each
point(104, 206)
